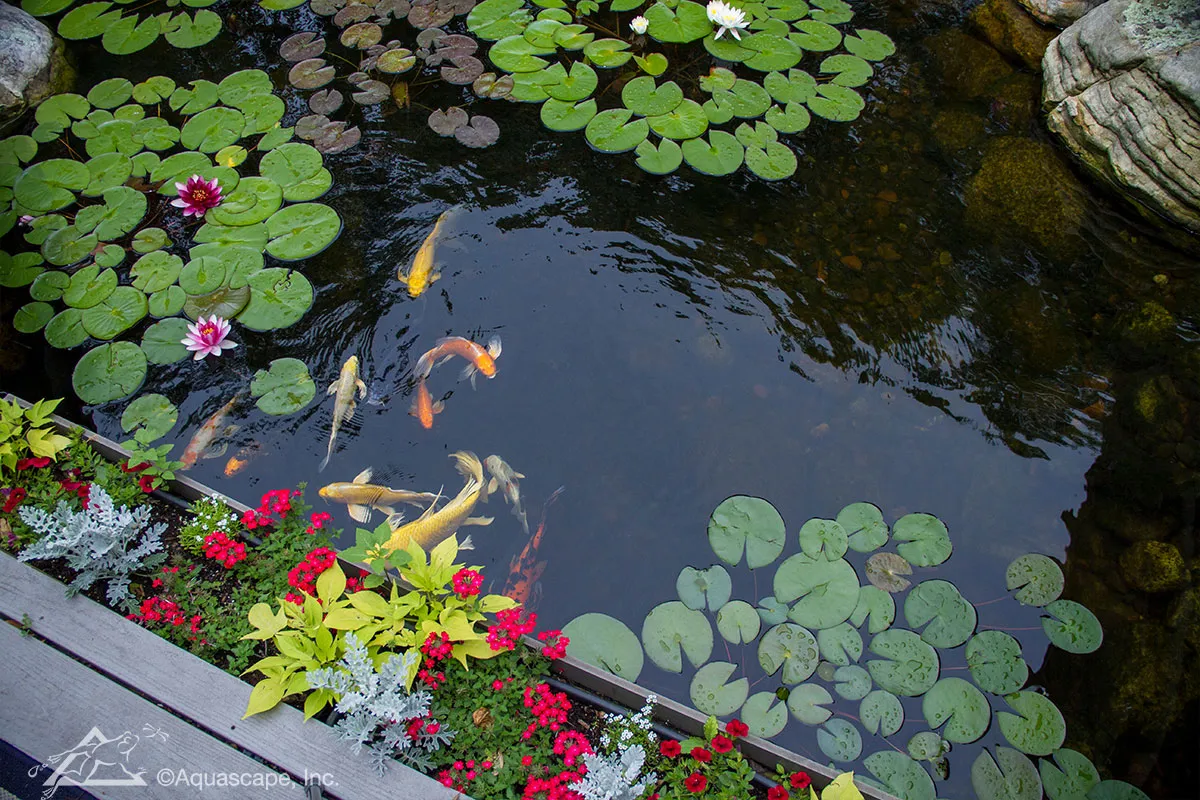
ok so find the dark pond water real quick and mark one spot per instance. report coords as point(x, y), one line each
point(936, 314)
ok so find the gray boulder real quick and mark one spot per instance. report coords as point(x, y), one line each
point(1127, 104)
point(32, 64)
point(1059, 12)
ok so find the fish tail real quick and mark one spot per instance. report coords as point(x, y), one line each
point(324, 462)
point(424, 366)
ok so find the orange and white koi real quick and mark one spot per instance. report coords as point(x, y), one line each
point(525, 570)
point(212, 429)
point(481, 360)
point(423, 407)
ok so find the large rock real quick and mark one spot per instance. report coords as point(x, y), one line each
point(1129, 108)
point(1012, 31)
point(32, 64)
point(1059, 12)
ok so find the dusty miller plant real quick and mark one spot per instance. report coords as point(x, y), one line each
point(101, 542)
point(377, 709)
point(611, 777)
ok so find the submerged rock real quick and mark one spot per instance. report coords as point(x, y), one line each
point(1059, 12)
point(968, 65)
point(1154, 567)
point(1124, 96)
point(1012, 31)
point(32, 64)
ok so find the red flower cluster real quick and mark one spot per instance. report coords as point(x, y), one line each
point(276, 501)
point(548, 708)
point(436, 648)
point(555, 787)
point(800, 780)
point(467, 583)
point(669, 748)
point(303, 576)
point(510, 628)
point(148, 483)
point(556, 644)
point(33, 463)
point(461, 769)
point(736, 728)
point(695, 783)
point(158, 609)
point(15, 496)
point(353, 585)
point(224, 550)
point(318, 519)
point(570, 745)
point(127, 467)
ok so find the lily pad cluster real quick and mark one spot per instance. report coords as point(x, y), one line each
point(124, 28)
point(847, 646)
point(625, 96)
point(385, 70)
point(106, 250)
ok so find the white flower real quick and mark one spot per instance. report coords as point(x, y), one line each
point(639, 25)
point(726, 18)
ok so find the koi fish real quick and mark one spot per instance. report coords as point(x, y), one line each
point(481, 360)
point(360, 496)
point(435, 526)
point(525, 570)
point(505, 478)
point(343, 403)
point(420, 273)
point(212, 429)
point(423, 407)
point(240, 460)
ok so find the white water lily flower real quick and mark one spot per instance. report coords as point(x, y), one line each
point(726, 18)
point(639, 25)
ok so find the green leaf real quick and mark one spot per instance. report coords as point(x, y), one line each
point(559, 116)
point(817, 36)
point(184, 31)
point(231, 156)
point(19, 270)
point(18, 149)
point(863, 522)
point(608, 53)
point(823, 539)
point(605, 642)
point(162, 342)
point(114, 136)
point(278, 298)
point(711, 692)
point(274, 138)
point(283, 389)
point(654, 64)
point(841, 644)
point(570, 87)
point(835, 12)
point(687, 22)
point(764, 715)
point(123, 209)
point(202, 275)
point(1116, 790)
point(911, 665)
point(1072, 627)
point(660, 160)
point(950, 616)
point(107, 171)
point(870, 45)
point(794, 118)
point(670, 626)
point(1009, 776)
point(129, 35)
point(180, 165)
point(32, 317)
point(686, 121)
point(1040, 728)
point(749, 523)
point(760, 135)
point(1038, 579)
point(211, 130)
point(771, 611)
point(807, 701)
point(156, 271)
point(726, 49)
point(839, 740)
point(224, 301)
point(1071, 775)
point(44, 8)
point(153, 90)
point(826, 591)
point(995, 661)
point(263, 114)
point(791, 647)
point(853, 682)
point(245, 88)
point(60, 109)
point(168, 302)
point(927, 746)
point(90, 287)
point(49, 286)
point(119, 312)
point(253, 236)
point(50, 185)
point(850, 70)
point(155, 133)
point(925, 540)
point(881, 712)
point(738, 622)
point(698, 587)
point(516, 54)
point(959, 705)
point(109, 372)
point(87, 21)
point(746, 99)
point(493, 20)
point(149, 417)
point(837, 103)
point(66, 329)
point(770, 52)
point(612, 131)
point(642, 96)
point(900, 775)
point(201, 95)
point(110, 255)
point(291, 164)
point(240, 261)
point(302, 230)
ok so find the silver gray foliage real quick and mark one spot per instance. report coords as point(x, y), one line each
point(377, 708)
point(615, 777)
point(101, 543)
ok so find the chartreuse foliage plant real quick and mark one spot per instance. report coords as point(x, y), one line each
point(110, 262)
point(26, 432)
point(834, 642)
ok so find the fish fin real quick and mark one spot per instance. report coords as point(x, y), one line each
point(468, 372)
point(493, 347)
point(363, 477)
point(362, 389)
point(438, 407)
point(394, 520)
point(473, 380)
point(519, 513)
point(478, 521)
point(518, 475)
point(466, 544)
point(443, 360)
point(216, 451)
point(535, 596)
point(325, 461)
point(230, 430)
point(492, 484)
point(401, 275)
point(332, 388)
point(433, 276)
point(422, 498)
point(412, 409)
point(359, 513)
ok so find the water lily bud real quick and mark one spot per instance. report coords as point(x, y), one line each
point(639, 25)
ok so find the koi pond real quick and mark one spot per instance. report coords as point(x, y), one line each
point(935, 315)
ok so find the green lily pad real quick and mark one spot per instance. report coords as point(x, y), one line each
point(213, 129)
point(826, 591)
point(726, 49)
point(686, 22)
point(162, 342)
point(711, 692)
point(516, 54)
point(760, 135)
point(19, 270)
point(119, 312)
point(959, 705)
point(835, 12)
point(115, 136)
point(738, 622)
point(870, 45)
point(41, 228)
point(168, 302)
point(278, 298)
point(746, 99)
point(995, 661)
point(853, 682)
point(901, 775)
point(183, 165)
point(107, 171)
point(797, 87)
point(153, 90)
point(771, 53)
point(839, 740)
point(90, 287)
point(202, 275)
point(925, 542)
point(493, 20)
point(1071, 775)
point(822, 538)
point(717, 78)
point(807, 703)
point(66, 329)
point(791, 647)
point(110, 255)
point(792, 118)
point(123, 209)
point(302, 230)
point(660, 160)
point(17, 149)
point(1038, 579)
point(149, 240)
point(223, 301)
point(87, 21)
point(697, 587)
point(149, 417)
point(686, 121)
point(817, 36)
point(881, 712)
point(570, 87)
point(240, 261)
point(309, 189)
point(642, 96)
point(837, 103)
point(187, 32)
point(1116, 790)
point(231, 156)
point(568, 37)
point(950, 616)
point(1072, 627)
point(927, 746)
point(109, 372)
point(850, 70)
point(764, 715)
point(863, 523)
point(654, 64)
point(771, 611)
point(607, 53)
point(49, 286)
point(32, 317)
point(911, 665)
point(605, 642)
point(841, 644)
point(613, 131)
point(1008, 776)
point(671, 626)
point(244, 88)
point(50, 185)
point(283, 389)
point(291, 164)
point(559, 116)
point(719, 154)
point(1040, 728)
point(253, 236)
point(746, 523)
point(110, 93)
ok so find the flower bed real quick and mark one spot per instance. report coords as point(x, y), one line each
point(435, 676)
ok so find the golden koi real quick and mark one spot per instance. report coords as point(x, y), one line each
point(505, 478)
point(423, 407)
point(421, 273)
point(434, 527)
point(240, 460)
point(481, 359)
point(360, 496)
point(525, 570)
point(343, 403)
point(212, 429)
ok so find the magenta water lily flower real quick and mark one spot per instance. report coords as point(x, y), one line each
point(207, 337)
point(197, 195)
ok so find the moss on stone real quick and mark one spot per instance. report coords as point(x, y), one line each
point(1012, 31)
point(968, 66)
point(957, 130)
point(1154, 567)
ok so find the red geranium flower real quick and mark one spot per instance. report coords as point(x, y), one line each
point(800, 780)
point(701, 755)
point(695, 783)
point(146, 483)
point(669, 748)
point(777, 793)
point(736, 728)
point(721, 744)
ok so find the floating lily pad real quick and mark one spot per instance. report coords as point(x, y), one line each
point(255, 200)
point(686, 121)
point(773, 163)
point(605, 642)
point(172, 168)
point(224, 301)
point(853, 682)
point(643, 97)
point(480, 132)
point(1070, 775)
point(119, 312)
point(49, 286)
point(886, 571)
point(614, 131)
point(839, 740)
point(770, 53)
point(841, 644)
point(660, 160)
point(559, 116)
point(311, 73)
point(302, 230)
point(901, 775)
point(211, 130)
point(771, 611)
point(738, 622)
point(285, 388)
point(822, 538)
point(958, 704)
point(153, 90)
point(66, 329)
point(194, 31)
point(50, 185)
point(864, 525)
point(924, 540)
point(995, 661)
point(168, 302)
point(1040, 728)
point(496, 19)
point(1116, 790)
point(791, 647)
point(1037, 578)
point(881, 712)
point(849, 70)
point(671, 626)
point(686, 22)
point(870, 45)
point(817, 36)
point(162, 342)
point(19, 270)
point(837, 103)
point(712, 694)
point(516, 54)
point(278, 298)
point(107, 171)
point(109, 372)
point(32, 317)
point(719, 154)
point(911, 665)
point(123, 209)
point(950, 616)
point(89, 287)
point(608, 53)
point(764, 714)
point(240, 262)
point(254, 236)
point(202, 275)
point(395, 61)
point(110, 93)
point(570, 87)
point(491, 87)
point(149, 417)
point(826, 591)
point(746, 523)
point(697, 587)
point(835, 12)
point(110, 255)
point(1008, 776)
point(654, 64)
point(1072, 627)
point(807, 703)
point(445, 123)
point(927, 746)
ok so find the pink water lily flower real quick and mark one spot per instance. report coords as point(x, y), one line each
point(207, 337)
point(197, 195)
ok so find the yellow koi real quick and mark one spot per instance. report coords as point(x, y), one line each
point(361, 496)
point(343, 403)
point(435, 526)
point(421, 273)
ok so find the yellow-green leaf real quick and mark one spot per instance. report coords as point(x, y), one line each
point(265, 695)
point(492, 603)
point(331, 584)
point(315, 702)
point(371, 603)
point(842, 788)
point(45, 442)
point(345, 619)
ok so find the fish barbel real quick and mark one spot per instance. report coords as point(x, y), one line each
point(343, 403)
point(421, 273)
point(210, 431)
point(360, 496)
point(435, 526)
point(423, 407)
point(481, 359)
point(505, 478)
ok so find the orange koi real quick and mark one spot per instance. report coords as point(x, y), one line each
point(480, 359)
point(423, 407)
point(210, 431)
point(242, 459)
point(525, 570)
